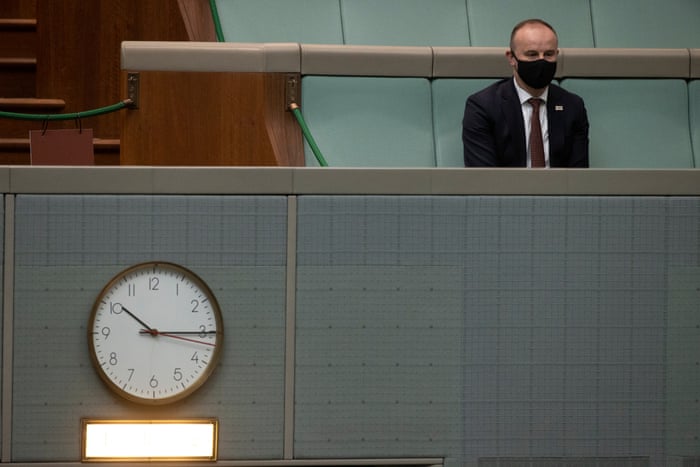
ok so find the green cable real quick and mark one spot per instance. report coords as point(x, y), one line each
point(293, 107)
point(70, 116)
point(217, 21)
point(307, 134)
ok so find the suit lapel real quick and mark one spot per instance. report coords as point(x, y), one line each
point(513, 114)
point(555, 120)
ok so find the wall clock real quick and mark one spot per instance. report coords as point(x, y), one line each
point(155, 333)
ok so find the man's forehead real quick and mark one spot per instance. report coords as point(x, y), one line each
point(535, 35)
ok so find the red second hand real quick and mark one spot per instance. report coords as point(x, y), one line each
point(155, 332)
point(185, 339)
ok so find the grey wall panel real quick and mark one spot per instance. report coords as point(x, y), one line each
point(465, 327)
point(2, 297)
point(387, 381)
point(67, 247)
point(562, 348)
point(377, 292)
point(683, 371)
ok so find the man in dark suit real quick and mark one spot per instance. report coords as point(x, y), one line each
point(498, 120)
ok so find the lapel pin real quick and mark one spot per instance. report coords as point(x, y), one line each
point(558, 108)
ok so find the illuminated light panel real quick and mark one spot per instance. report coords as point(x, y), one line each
point(157, 440)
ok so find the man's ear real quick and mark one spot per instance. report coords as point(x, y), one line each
point(511, 58)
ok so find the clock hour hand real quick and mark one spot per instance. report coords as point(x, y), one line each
point(148, 329)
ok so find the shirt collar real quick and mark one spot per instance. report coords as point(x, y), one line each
point(523, 95)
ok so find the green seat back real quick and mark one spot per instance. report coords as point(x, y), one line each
point(636, 123)
point(307, 21)
point(449, 98)
point(694, 101)
point(646, 23)
point(368, 121)
point(491, 21)
point(405, 22)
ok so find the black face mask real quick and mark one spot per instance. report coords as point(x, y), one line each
point(536, 74)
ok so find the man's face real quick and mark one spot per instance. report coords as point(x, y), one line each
point(533, 42)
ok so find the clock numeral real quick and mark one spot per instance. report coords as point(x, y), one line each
point(153, 283)
point(195, 305)
point(203, 331)
point(105, 332)
point(115, 308)
point(177, 374)
point(153, 382)
point(131, 373)
point(132, 290)
point(177, 288)
point(113, 359)
point(195, 357)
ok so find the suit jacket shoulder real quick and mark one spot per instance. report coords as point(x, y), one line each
point(497, 90)
point(493, 132)
point(559, 93)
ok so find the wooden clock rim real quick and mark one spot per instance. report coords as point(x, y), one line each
point(194, 277)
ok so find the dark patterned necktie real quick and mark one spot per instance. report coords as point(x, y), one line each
point(536, 144)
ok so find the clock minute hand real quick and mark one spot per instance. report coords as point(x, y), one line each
point(148, 329)
point(193, 333)
point(175, 335)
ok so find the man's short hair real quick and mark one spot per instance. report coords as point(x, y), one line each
point(527, 22)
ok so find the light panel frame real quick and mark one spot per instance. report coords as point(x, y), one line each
point(149, 440)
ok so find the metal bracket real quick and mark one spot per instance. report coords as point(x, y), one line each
point(132, 89)
point(291, 92)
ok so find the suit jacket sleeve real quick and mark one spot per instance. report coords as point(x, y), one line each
point(477, 135)
point(579, 151)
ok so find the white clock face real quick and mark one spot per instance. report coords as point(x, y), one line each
point(155, 333)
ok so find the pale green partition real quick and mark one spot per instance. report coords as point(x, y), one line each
point(646, 23)
point(683, 357)
point(499, 331)
point(2, 297)
point(449, 98)
point(368, 121)
point(491, 21)
point(68, 247)
point(405, 22)
point(383, 317)
point(308, 21)
point(640, 123)
point(694, 100)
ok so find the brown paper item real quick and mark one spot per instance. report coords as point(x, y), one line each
point(61, 147)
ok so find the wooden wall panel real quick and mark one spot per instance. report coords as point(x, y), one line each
point(198, 20)
point(18, 9)
point(211, 119)
point(184, 119)
point(79, 50)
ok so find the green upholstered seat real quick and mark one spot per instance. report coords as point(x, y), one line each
point(449, 98)
point(580, 23)
point(307, 21)
point(694, 101)
point(491, 21)
point(646, 23)
point(369, 121)
point(636, 123)
point(405, 22)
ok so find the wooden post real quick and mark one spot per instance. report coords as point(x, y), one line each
point(211, 118)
